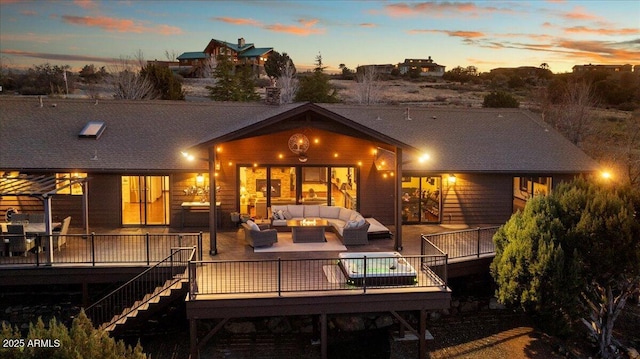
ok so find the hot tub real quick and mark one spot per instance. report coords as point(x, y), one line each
point(382, 268)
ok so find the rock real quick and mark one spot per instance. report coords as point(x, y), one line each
point(240, 327)
point(445, 312)
point(434, 316)
point(384, 321)
point(349, 323)
point(467, 307)
point(495, 305)
point(455, 303)
point(279, 325)
point(632, 353)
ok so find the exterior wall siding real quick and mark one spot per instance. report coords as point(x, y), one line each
point(477, 199)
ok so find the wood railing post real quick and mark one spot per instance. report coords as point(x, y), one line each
point(148, 248)
point(279, 277)
point(364, 279)
point(478, 247)
point(93, 248)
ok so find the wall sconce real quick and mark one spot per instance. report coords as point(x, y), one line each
point(451, 179)
point(200, 179)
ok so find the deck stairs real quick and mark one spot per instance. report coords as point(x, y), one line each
point(150, 292)
point(152, 303)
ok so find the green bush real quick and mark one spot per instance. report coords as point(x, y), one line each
point(56, 341)
point(500, 99)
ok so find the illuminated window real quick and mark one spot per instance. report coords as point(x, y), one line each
point(62, 183)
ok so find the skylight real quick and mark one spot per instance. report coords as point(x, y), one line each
point(93, 129)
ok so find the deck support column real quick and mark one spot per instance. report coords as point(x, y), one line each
point(193, 339)
point(323, 336)
point(422, 352)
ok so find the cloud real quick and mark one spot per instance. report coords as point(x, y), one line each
point(28, 12)
point(86, 4)
point(30, 37)
point(306, 27)
point(238, 21)
point(61, 57)
point(463, 34)
point(579, 13)
point(112, 24)
point(439, 9)
point(601, 31)
point(367, 24)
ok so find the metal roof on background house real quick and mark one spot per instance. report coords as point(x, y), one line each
point(256, 52)
point(192, 56)
point(149, 135)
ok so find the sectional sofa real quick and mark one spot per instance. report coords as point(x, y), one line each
point(348, 224)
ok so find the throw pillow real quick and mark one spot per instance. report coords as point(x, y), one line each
point(276, 215)
point(287, 215)
point(351, 224)
point(253, 225)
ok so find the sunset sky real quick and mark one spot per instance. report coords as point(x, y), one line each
point(485, 34)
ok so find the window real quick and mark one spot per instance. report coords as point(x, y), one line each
point(62, 183)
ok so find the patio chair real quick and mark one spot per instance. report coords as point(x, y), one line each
point(260, 237)
point(18, 240)
point(19, 217)
point(59, 236)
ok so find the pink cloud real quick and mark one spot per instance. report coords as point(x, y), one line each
point(120, 25)
point(86, 4)
point(294, 30)
point(238, 21)
point(579, 13)
point(61, 57)
point(601, 31)
point(459, 33)
point(367, 24)
point(439, 9)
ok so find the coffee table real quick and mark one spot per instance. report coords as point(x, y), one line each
point(307, 231)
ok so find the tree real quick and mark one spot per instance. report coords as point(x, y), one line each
point(571, 112)
point(287, 83)
point(81, 341)
point(127, 82)
point(316, 87)
point(577, 245)
point(232, 84)
point(276, 63)
point(500, 99)
point(166, 85)
point(368, 88)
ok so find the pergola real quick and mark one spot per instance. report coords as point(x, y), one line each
point(44, 187)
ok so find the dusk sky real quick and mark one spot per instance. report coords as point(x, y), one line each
point(485, 34)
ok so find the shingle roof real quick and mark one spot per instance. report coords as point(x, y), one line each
point(149, 135)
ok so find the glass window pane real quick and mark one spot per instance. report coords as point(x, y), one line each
point(430, 202)
point(343, 187)
point(314, 185)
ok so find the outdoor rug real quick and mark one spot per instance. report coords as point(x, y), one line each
point(285, 244)
point(333, 273)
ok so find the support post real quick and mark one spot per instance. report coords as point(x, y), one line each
point(422, 352)
point(397, 199)
point(193, 339)
point(323, 336)
point(47, 223)
point(213, 240)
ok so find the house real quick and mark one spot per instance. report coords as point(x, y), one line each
point(606, 68)
point(425, 67)
point(241, 53)
point(399, 165)
point(385, 69)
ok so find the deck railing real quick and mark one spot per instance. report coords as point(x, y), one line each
point(460, 244)
point(142, 288)
point(281, 276)
point(98, 249)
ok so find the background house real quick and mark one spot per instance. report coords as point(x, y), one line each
point(425, 67)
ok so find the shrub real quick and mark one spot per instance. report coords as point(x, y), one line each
point(500, 99)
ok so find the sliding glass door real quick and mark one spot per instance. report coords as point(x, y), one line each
point(145, 200)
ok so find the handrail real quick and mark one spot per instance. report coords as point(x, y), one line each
point(126, 295)
point(97, 249)
point(474, 242)
point(278, 276)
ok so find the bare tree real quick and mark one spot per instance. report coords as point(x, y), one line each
point(368, 88)
point(206, 67)
point(171, 55)
point(287, 83)
point(127, 82)
point(572, 116)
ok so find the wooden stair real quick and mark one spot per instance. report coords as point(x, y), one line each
point(151, 303)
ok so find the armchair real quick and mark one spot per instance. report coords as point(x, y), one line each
point(356, 235)
point(59, 238)
point(261, 237)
